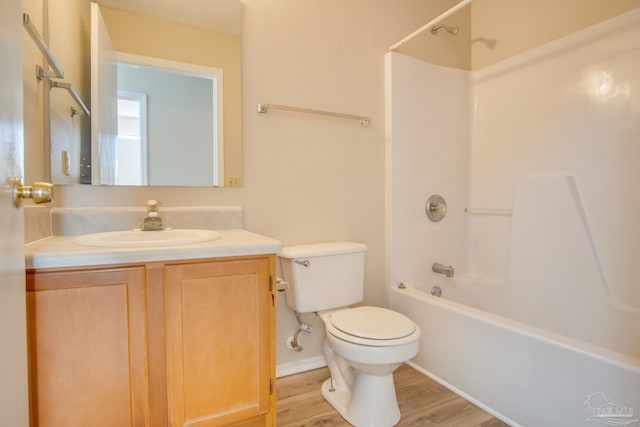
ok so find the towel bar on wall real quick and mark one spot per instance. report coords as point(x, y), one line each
point(33, 32)
point(56, 72)
point(263, 108)
point(68, 87)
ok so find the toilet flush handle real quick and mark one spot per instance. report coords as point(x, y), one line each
point(305, 262)
point(281, 285)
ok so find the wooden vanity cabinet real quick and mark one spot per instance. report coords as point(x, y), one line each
point(160, 344)
point(87, 348)
point(219, 335)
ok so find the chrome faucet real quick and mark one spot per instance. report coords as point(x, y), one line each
point(153, 220)
point(442, 269)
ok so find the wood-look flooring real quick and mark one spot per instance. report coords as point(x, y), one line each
point(422, 402)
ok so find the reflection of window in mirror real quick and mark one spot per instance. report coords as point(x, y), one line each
point(131, 148)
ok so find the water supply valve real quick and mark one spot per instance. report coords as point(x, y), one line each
point(292, 342)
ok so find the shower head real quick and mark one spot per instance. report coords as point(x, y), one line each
point(450, 30)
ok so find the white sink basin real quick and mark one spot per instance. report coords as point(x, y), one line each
point(139, 238)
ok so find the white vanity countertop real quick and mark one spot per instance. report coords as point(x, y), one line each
point(61, 251)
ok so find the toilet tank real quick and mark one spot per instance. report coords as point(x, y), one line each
point(323, 276)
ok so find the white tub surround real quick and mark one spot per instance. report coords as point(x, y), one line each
point(427, 113)
point(549, 331)
point(555, 278)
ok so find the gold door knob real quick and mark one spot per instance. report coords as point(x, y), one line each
point(39, 192)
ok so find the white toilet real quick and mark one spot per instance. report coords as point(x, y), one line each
point(363, 345)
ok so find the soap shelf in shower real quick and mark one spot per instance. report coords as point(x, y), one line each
point(489, 212)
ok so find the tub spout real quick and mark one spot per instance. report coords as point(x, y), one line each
point(442, 269)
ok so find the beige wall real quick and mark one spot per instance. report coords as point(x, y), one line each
point(143, 35)
point(504, 28)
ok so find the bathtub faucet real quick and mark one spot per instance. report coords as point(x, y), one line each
point(442, 269)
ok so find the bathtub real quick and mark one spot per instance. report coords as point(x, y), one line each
point(523, 375)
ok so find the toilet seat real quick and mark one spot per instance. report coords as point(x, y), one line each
point(372, 326)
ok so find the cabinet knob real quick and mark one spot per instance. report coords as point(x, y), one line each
point(39, 192)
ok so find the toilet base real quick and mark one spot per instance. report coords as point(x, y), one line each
point(372, 403)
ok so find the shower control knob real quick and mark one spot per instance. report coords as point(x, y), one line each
point(436, 208)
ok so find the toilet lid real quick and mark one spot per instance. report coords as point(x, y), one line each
point(373, 323)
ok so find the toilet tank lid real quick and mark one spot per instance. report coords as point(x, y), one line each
point(322, 249)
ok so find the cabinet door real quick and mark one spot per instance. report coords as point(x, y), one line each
point(87, 348)
point(219, 342)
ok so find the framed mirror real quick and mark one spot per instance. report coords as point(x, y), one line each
point(169, 124)
point(190, 39)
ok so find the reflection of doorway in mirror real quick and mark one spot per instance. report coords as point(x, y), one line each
point(131, 148)
point(184, 119)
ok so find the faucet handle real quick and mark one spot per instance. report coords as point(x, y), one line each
point(152, 205)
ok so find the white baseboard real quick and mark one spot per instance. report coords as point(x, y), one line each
point(284, 369)
point(464, 395)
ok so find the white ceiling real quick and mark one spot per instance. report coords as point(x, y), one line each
point(216, 15)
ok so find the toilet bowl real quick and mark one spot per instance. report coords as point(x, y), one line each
point(362, 347)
